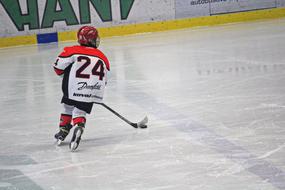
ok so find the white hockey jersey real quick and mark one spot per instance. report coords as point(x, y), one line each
point(85, 73)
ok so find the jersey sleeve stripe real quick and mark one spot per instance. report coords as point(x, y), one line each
point(61, 56)
point(58, 71)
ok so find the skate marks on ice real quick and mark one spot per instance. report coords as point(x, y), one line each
point(88, 143)
point(16, 160)
point(250, 162)
point(272, 152)
point(14, 178)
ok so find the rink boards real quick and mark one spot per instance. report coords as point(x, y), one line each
point(35, 21)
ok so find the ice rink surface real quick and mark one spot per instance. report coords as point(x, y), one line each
point(215, 98)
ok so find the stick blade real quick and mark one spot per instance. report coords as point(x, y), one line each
point(142, 123)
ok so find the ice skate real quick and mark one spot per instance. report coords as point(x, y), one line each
point(78, 131)
point(63, 132)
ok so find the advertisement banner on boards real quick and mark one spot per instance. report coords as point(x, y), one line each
point(22, 17)
point(191, 8)
point(280, 3)
point(231, 6)
point(196, 8)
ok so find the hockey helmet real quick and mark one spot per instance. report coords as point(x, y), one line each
point(88, 36)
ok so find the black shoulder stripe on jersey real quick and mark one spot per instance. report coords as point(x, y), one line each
point(65, 56)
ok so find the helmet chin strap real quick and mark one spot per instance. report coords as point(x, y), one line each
point(95, 43)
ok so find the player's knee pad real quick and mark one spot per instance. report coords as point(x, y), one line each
point(67, 109)
point(78, 113)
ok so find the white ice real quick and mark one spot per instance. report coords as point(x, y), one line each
point(215, 98)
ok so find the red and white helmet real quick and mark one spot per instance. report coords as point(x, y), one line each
point(88, 36)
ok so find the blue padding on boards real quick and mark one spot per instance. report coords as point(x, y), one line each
point(47, 38)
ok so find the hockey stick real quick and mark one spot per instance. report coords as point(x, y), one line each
point(141, 124)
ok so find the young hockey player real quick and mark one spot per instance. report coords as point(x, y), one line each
point(84, 69)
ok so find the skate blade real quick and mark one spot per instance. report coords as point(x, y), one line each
point(74, 145)
point(59, 142)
